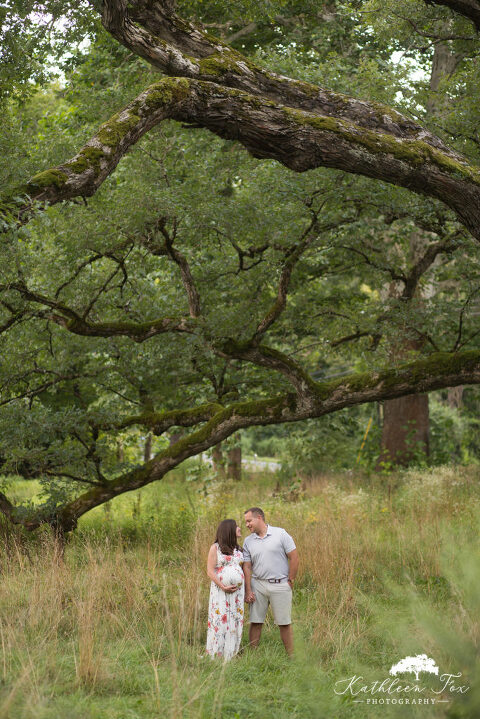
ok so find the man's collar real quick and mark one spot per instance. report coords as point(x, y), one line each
point(266, 533)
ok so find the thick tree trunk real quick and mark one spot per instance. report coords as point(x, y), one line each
point(455, 397)
point(235, 463)
point(120, 451)
point(218, 460)
point(405, 429)
point(147, 452)
point(444, 64)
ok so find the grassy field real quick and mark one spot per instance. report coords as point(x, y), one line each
point(116, 629)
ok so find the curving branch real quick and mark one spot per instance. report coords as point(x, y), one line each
point(12, 320)
point(424, 263)
point(293, 254)
point(82, 175)
point(299, 124)
point(168, 249)
point(411, 279)
point(35, 391)
point(72, 321)
point(10, 511)
point(97, 256)
point(468, 8)
point(317, 399)
point(435, 372)
point(178, 48)
point(299, 140)
point(160, 422)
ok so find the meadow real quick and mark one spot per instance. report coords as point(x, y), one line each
point(115, 627)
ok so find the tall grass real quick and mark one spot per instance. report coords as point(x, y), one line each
point(116, 627)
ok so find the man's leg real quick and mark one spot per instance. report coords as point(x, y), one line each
point(257, 611)
point(254, 633)
point(281, 601)
point(286, 633)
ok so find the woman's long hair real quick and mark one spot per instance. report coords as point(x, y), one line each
point(227, 536)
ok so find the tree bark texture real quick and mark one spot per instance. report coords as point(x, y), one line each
point(218, 460)
point(301, 125)
point(405, 429)
point(147, 450)
point(234, 467)
point(317, 399)
point(468, 8)
point(455, 397)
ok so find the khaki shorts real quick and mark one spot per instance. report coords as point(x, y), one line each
point(279, 596)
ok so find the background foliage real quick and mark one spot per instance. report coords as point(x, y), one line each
point(63, 75)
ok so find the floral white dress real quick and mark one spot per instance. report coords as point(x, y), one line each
point(225, 611)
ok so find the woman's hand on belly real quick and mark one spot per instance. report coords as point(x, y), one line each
point(229, 589)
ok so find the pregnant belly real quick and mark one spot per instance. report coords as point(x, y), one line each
point(231, 575)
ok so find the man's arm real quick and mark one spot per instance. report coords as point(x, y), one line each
point(247, 570)
point(293, 566)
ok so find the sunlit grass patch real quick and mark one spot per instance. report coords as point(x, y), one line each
point(117, 627)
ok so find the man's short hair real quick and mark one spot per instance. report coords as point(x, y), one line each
point(256, 511)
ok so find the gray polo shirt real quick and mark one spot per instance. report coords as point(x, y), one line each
point(268, 554)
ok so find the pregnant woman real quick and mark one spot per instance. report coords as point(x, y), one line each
point(227, 591)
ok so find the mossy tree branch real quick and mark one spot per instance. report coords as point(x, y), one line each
point(300, 140)
point(468, 8)
point(320, 398)
point(160, 422)
point(435, 372)
point(264, 356)
point(299, 124)
point(78, 324)
point(179, 48)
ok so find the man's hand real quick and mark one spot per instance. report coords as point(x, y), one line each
point(250, 597)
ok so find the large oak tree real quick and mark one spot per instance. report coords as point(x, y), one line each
point(236, 333)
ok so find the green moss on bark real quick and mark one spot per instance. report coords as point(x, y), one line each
point(221, 63)
point(295, 369)
point(161, 421)
point(48, 178)
point(439, 364)
point(88, 158)
point(168, 91)
point(135, 330)
point(266, 409)
point(415, 152)
point(112, 132)
point(386, 111)
point(199, 436)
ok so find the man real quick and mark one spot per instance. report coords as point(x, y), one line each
point(270, 567)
